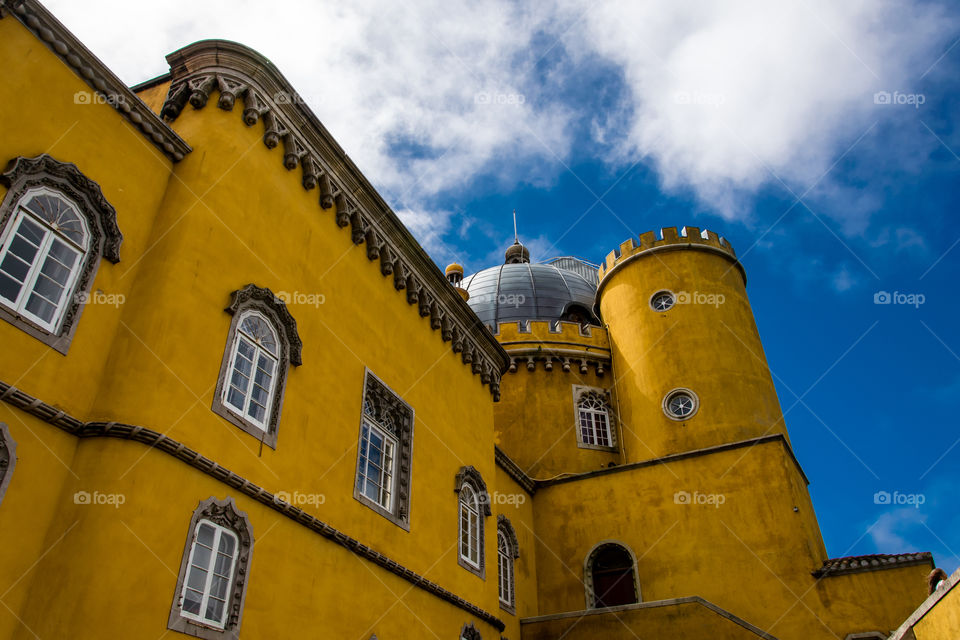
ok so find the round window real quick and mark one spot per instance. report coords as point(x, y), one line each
point(662, 301)
point(680, 404)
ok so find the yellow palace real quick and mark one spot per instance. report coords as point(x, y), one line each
point(239, 400)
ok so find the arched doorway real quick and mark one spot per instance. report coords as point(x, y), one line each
point(611, 576)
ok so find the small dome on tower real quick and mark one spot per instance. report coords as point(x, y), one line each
point(517, 254)
point(454, 268)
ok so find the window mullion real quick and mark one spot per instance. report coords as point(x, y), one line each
point(34, 273)
point(208, 585)
point(253, 375)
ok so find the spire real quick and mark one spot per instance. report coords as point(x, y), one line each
point(516, 253)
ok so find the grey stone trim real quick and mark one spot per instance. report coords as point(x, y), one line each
point(156, 440)
point(252, 297)
point(773, 437)
point(237, 72)
point(8, 458)
point(470, 632)
point(672, 602)
point(588, 574)
point(468, 475)
point(504, 526)
point(226, 514)
point(24, 174)
point(566, 359)
point(385, 408)
point(875, 562)
point(579, 391)
point(514, 471)
point(669, 395)
point(91, 70)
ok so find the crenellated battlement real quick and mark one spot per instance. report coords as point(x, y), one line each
point(669, 238)
point(545, 330)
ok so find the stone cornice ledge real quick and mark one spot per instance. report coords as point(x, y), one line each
point(240, 73)
point(514, 471)
point(157, 440)
point(652, 605)
point(91, 70)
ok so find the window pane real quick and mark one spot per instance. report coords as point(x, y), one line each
point(214, 610)
point(49, 289)
point(218, 587)
point(197, 579)
point(191, 601)
point(227, 544)
point(62, 253)
point(15, 267)
point(9, 288)
point(30, 230)
point(40, 308)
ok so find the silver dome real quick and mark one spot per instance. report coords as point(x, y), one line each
point(524, 291)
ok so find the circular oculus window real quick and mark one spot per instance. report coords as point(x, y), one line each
point(680, 404)
point(662, 301)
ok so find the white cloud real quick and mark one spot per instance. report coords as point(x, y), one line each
point(721, 97)
point(889, 533)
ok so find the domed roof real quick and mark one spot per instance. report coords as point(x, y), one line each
point(525, 291)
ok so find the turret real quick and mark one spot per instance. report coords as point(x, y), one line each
point(690, 368)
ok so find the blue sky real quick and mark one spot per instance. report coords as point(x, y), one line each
point(820, 138)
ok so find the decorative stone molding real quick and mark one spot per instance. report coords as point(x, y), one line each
point(470, 632)
point(563, 360)
point(388, 411)
point(236, 72)
point(503, 524)
point(91, 70)
point(513, 552)
point(22, 175)
point(469, 475)
point(252, 297)
point(160, 442)
point(8, 458)
point(591, 595)
point(514, 471)
point(225, 514)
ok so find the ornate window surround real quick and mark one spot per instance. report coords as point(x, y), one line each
point(470, 632)
point(262, 300)
point(579, 391)
point(23, 175)
point(505, 528)
point(8, 458)
point(469, 476)
point(392, 414)
point(226, 514)
point(588, 571)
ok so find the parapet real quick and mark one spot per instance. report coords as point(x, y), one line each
point(569, 345)
point(669, 238)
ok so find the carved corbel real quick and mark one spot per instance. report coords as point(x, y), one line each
point(343, 213)
point(373, 243)
point(252, 108)
point(425, 302)
point(200, 89)
point(326, 193)
point(358, 227)
point(446, 328)
point(176, 100)
point(274, 129)
point(399, 275)
point(229, 90)
point(436, 316)
point(386, 259)
point(413, 290)
point(292, 151)
point(310, 174)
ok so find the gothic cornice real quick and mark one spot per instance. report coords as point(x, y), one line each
point(244, 77)
point(91, 70)
point(159, 441)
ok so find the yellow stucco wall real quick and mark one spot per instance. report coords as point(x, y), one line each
point(708, 346)
point(942, 622)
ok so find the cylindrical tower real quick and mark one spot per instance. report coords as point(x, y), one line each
point(689, 367)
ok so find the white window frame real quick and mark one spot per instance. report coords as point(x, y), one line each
point(470, 507)
point(505, 570)
point(240, 335)
point(591, 415)
point(388, 476)
point(206, 594)
point(581, 395)
point(18, 306)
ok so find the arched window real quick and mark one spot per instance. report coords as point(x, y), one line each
point(474, 506)
point(507, 553)
point(594, 429)
point(214, 572)
point(263, 341)
point(55, 225)
point(610, 576)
